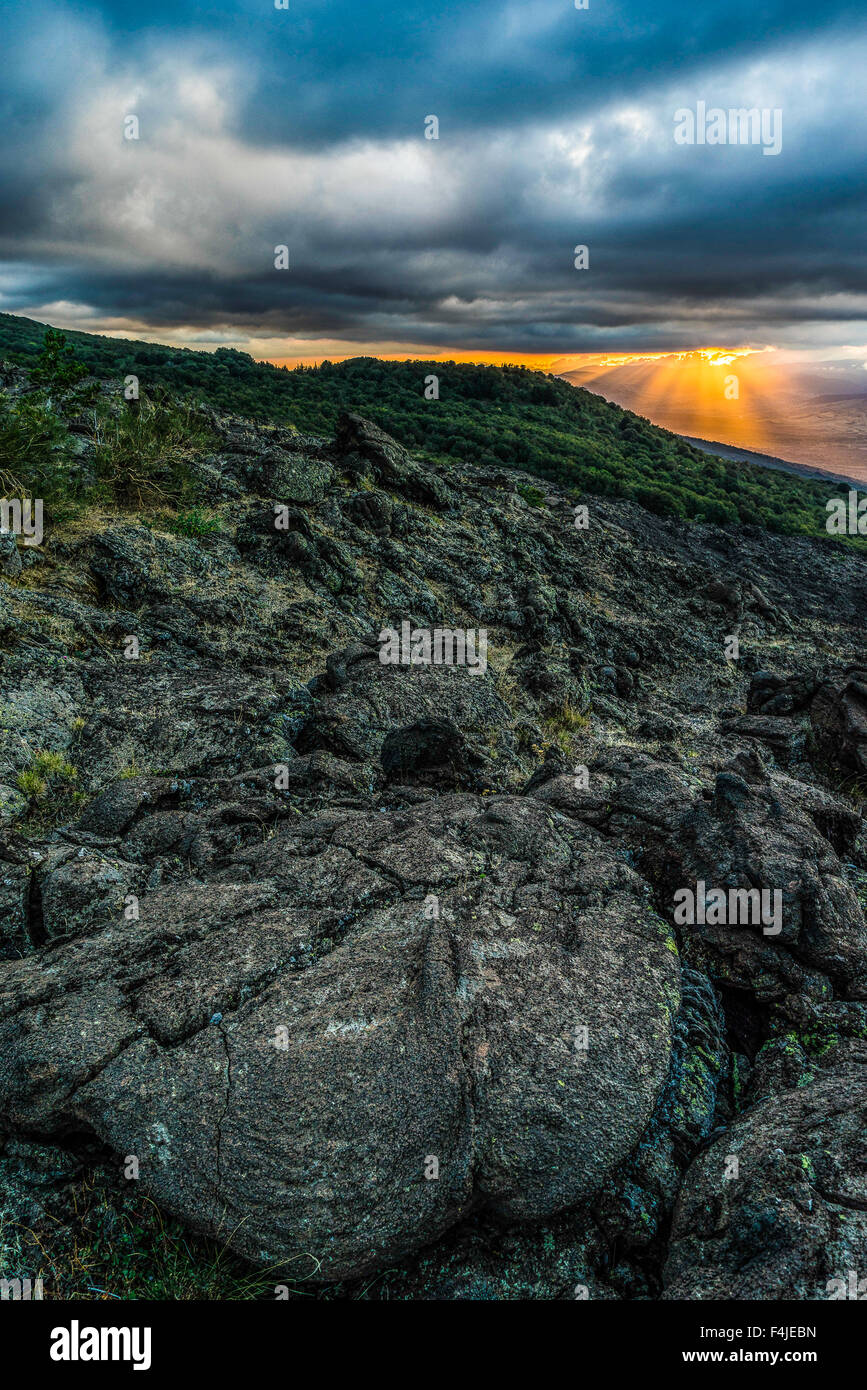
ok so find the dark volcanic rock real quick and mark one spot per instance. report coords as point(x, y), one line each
point(786, 741)
point(774, 695)
point(839, 718)
point(363, 1029)
point(429, 743)
point(376, 967)
point(359, 439)
point(777, 1207)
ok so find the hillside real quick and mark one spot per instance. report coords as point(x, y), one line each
point(324, 976)
point(802, 470)
point(493, 417)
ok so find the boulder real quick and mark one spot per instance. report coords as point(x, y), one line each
point(839, 718)
point(289, 1047)
point(776, 1208)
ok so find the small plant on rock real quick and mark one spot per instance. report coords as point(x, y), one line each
point(193, 523)
point(49, 784)
point(563, 723)
point(533, 496)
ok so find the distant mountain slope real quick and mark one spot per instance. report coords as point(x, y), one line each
point(494, 417)
point(799, 470)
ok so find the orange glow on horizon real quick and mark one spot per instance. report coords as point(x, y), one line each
point(536, 361)
point(540, 362)
point(715, 357)
point(743, 404)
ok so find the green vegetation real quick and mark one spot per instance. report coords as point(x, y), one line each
point(45, 768)
point(120, 1246)
point(192, 523)
point(564, 723)
point(533, 496)
point(56, 367)
point(141, 453)
point(141, 449)
point(495, 417)
point(32, 462)
point(49, 784)
point(129, 771)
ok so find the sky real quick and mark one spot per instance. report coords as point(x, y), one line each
point(305, 127)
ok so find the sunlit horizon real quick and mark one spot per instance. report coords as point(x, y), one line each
point(806, 407)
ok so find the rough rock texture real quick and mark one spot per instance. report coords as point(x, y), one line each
point(839, 718)
point(794, 1218)
point(296, 1082)
point(374, 968)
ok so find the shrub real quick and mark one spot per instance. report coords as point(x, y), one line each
point(49, 785)
point(33, 459)
point(142, 452)
point(192, 523)
point(56, 367)
point(534, 496)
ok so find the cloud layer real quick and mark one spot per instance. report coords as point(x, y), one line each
point(305, 127)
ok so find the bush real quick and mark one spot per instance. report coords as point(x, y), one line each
point(49, 784)
point(33, 460)
point(56, 367)
point(534, 496)
point(192, 523)
point(141, 454)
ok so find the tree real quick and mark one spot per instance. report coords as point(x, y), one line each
point(56, 366)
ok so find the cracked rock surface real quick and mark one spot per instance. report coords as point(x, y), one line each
point(374, 968)
point(354, 1040)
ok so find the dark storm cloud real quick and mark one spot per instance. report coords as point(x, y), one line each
point(326, 68)
point(304, 127)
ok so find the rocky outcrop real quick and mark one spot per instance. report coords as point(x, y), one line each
point(288, 1043)
point(777, 1206)
point(839, 718)
point(374, 966)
